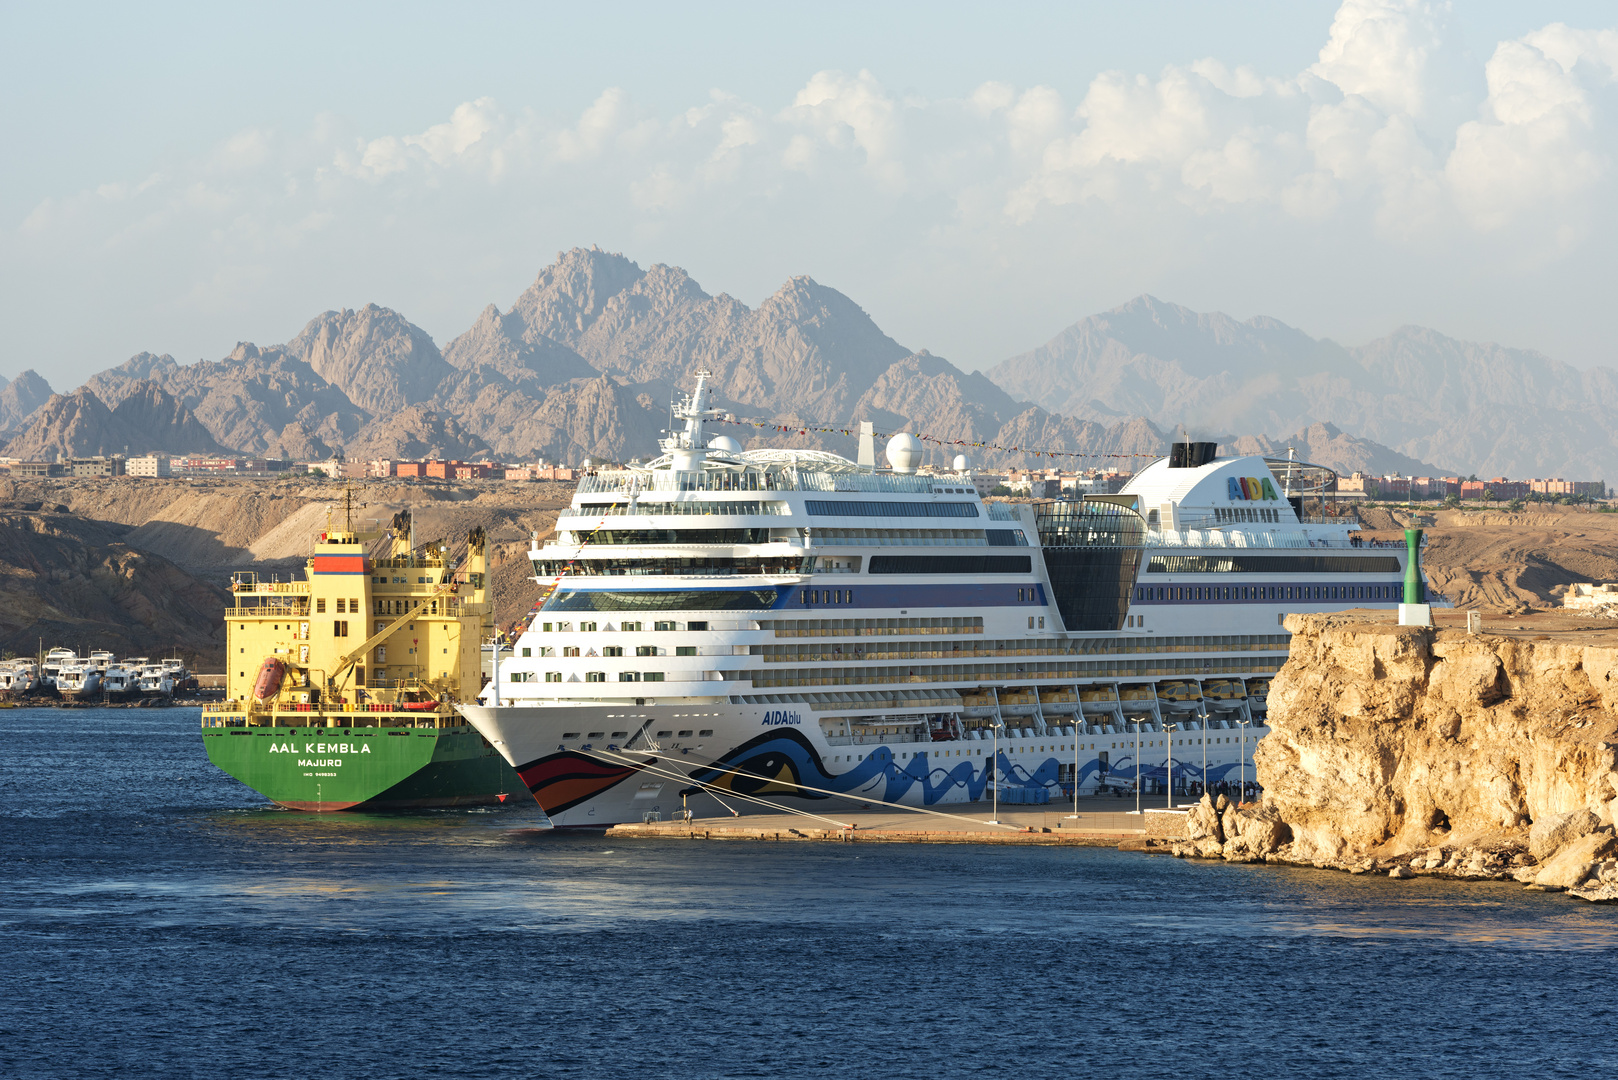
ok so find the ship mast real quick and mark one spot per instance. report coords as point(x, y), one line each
point(689, 448)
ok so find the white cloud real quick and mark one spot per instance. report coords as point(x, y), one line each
point(1368, 143)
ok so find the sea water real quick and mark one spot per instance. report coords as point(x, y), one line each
point(157, 919)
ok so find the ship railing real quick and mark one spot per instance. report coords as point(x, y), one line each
point(706, 508)
point(291, 611)
point(809, 480)
point(270, 587)
point(670, 480)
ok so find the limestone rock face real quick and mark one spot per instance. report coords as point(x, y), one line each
point(1576, 861)
point(1469, 755)
point(1553, 833)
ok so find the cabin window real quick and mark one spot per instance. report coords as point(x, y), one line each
point(612, 650)
point(629, 676)
point(320, 607)
point(553, 676)
point(595, 676)
point(696, 626)
point(587, 627)
point(528, 652)
point(705, 732)
point(686, 734)
point(662, 626)
point(570, 650)
point(651, 676)
point(339, 628)
point(645, 650)
point(685, 650)
point(629, 626)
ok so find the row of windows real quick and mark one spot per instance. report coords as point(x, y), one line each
point(827, 508)
point(686, 734)
point(627, 626)
point(959, 624)
point(676, 565)
point(960, 565)
point(663, 599)
point(903, 537)
point(945, 650)
point(667, 509)
point(831, 596)
point(530, 651)
point(972, 673)
point(1273, 564)
point(671, 536)
point(1268, 592)
point(343, 605)
point(589, 676)
point(1246, 513)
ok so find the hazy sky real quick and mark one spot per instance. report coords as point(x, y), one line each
point(977, 177)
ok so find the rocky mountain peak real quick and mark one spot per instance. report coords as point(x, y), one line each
point(21, 398)
point(569, 295)
point(376, 356)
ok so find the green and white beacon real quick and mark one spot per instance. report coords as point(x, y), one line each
point(1415, 611)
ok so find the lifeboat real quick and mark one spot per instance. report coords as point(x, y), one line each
point(1224, 695)
point(268, 683)
point(1020, 702)
point(1098, 699)
point(1181, 695)
point(1060, 701)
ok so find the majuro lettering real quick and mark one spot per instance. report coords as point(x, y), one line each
point(1246, 488)
point(772, 719)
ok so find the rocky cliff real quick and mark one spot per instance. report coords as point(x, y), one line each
point(81, 425)
point(1406, 750)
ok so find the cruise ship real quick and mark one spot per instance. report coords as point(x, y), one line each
point(750, 631)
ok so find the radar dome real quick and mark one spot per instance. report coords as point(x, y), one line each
point(961, 463)
point(588, 464)
point(904, 453)
point(725, 444)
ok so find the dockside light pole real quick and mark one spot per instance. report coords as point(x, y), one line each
point(1168, 762)
point(1137, 724)
point(1242, 752)
point(1204, 716)
point(994, 769)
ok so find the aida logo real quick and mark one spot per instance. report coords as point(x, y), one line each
point(1250, 487)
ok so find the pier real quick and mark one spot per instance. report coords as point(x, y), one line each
point(1101, 822)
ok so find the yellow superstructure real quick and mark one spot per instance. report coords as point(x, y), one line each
point(406, 627)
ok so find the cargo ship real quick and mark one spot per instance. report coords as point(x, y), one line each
point(341, 687)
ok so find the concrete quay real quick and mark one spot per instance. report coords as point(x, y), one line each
point(1099, 824)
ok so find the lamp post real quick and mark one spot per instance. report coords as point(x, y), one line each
point(994, 770)
point(1077, 727)
point(1168, 763)
point(1137, 724)
point(1204, 752)
point(1242, 752)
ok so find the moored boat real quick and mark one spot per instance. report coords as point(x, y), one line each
point(342, 685)
point(784, 629)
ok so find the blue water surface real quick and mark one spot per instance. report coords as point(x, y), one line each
point(157, 919)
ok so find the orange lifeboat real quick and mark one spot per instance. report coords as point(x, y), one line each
point(270, 674)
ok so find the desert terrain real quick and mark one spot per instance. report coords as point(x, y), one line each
point(142, 566)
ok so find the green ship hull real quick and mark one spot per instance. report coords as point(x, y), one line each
point(364, 768)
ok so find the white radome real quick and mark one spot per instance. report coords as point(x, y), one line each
point(961, 463)
point(904, 453)
point(725, 444)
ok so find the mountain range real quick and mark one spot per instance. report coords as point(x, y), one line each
point(586, 360)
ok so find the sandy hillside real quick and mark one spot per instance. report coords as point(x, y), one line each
point(1498, 561)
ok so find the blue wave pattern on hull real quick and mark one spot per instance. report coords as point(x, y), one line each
point(776, 763)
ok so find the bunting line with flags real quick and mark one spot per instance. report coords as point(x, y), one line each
point(970, 444)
